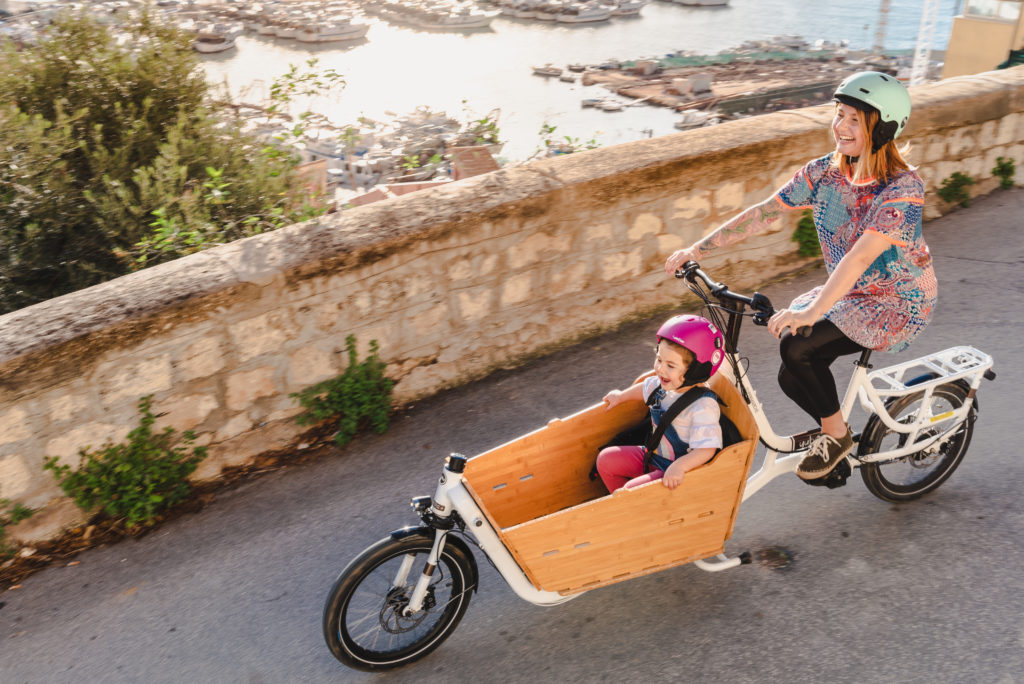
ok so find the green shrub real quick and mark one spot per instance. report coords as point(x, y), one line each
point(358, 398)
point(806, 236)
point(133, 481)
point(1004, 170)
point(106, 144)
point(954, 189)
point(10, 514)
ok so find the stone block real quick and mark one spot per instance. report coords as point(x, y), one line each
point(469, 267)
point(91, 435)
point(128, 379)
point(728, 198)
point(933, 148)
point(15, 477)
point(308, 366)
point(622, 264)
point(47, 523)
point(473, 305)
point(234, 427)
point(537, 247)
point(201, 359)
point(975, 168)
point(517, 289)
point(430, 321)
point(644, 225)
point(245, 387)
point(260, 335)
point(14, 425)
point(599, 233)
point(565, 281)
point(691, 207)
point(185, 412)
point(1006, 131)
point(669, 243)
point(69, 404)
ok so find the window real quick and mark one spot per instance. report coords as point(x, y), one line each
point(1005, 10)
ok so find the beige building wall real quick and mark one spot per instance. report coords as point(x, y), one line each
point(979, 43)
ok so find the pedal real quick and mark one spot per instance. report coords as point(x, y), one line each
point(836, 478)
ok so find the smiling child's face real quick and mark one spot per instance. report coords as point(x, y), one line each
point(669, 366)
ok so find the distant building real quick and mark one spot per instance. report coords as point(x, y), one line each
point(988, 33)
point(471, 161)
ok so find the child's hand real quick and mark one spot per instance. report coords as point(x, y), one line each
point(673, 477)
point(612, 398)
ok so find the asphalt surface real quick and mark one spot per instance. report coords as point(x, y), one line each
point(846, 588)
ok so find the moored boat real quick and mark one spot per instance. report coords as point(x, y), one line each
point(581, 13)
point(331, 31)
point(547, 70)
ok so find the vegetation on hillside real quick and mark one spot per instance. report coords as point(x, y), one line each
point(113, 158)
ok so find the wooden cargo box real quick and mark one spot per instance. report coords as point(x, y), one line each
point(569, 535)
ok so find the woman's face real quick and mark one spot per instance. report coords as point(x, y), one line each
point(849, 130)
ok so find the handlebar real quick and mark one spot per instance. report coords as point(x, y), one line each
point(758, 302)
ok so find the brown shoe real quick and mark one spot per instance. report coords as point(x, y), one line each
point(826, 452)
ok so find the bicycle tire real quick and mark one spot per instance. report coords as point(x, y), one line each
point(363, 596)
point(926, 471)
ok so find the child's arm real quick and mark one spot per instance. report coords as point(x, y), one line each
point(616, 397)
point(673, 477)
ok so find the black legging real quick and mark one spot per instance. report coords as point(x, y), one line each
point(805, 376)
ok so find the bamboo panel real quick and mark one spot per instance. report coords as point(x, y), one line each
point(568, 535)
point(634, 531)
point(548, 470)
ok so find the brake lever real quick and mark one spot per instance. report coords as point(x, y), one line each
point(765, 311)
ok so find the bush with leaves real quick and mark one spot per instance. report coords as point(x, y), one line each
point(1005, 169)
point(954, 189)
point(113, 157)
point(10, 514)
point(134, 481)
point(806, 236)
point(358, 398)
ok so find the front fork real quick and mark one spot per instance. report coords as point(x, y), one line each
point(438, 516)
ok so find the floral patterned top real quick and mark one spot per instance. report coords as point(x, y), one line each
point(893, 300)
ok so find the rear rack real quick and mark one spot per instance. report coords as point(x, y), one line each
point(946, 366)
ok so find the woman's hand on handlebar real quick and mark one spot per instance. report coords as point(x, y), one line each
point(788, 318)
point(680, 257)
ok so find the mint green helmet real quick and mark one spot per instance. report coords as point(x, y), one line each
point(883, 93)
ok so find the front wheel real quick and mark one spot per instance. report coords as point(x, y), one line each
point(915, 475)
point(365, 623)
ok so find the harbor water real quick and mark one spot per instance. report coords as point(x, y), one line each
point(398, 68)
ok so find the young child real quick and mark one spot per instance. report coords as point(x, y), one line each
point(690, 350)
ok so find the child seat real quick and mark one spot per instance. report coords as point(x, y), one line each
point(569, 535)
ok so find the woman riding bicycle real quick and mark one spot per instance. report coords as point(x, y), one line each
point(867, 203)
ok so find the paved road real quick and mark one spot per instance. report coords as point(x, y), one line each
point(926, 592)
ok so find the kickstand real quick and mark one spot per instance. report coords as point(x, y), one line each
point(723, 562)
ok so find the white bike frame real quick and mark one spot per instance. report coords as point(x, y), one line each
point(872, 389)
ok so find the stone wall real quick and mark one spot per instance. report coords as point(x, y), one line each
point(452, 282)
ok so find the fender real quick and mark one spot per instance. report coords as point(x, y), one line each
point(457, 545)
point(874, 421)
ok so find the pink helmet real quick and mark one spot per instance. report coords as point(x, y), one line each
point(701, 337)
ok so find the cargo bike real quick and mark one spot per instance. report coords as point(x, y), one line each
point(553, 532)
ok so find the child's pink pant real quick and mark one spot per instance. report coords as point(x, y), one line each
point(623, 466)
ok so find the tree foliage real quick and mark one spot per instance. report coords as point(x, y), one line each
point(112, 158)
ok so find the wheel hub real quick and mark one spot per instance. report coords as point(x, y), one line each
point(393, 617)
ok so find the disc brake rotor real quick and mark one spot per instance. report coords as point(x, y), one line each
point(392, 617)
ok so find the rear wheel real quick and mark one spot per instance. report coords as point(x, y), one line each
point(365, 623)
point(918, 473)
